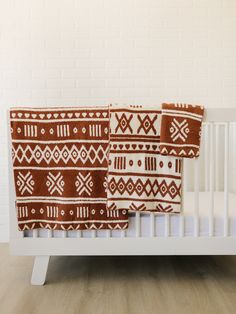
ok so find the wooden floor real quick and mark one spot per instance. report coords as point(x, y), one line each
point(113, 285)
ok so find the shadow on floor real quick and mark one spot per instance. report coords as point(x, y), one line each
point(142, 267)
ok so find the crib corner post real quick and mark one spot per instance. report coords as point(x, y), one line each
point(40, 270)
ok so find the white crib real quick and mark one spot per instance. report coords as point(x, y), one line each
point(206, 226)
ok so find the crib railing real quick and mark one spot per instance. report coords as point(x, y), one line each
point(212, 157)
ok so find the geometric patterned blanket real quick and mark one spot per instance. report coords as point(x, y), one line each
point(60, 169)
point(181, 130)
point(86, 167)
point(139, 178)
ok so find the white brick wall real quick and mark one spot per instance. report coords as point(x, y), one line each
point(70, 52)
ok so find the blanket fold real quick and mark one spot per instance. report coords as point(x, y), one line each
point(181, 130)
point(60, 163)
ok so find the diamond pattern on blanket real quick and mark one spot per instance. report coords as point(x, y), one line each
point(139, 178)
point(60, 162)
point(181, 130)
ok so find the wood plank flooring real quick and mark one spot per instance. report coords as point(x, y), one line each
point(117, 285)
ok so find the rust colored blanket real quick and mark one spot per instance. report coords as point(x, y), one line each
point(60, 169)
point(181, 130)
point(139, 178)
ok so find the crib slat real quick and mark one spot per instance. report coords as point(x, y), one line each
point(181, 224)
point(137, 224)
point(206, 161)
point(50, 233)
point(108, 233)
point(123, 233)
point(226, 177)
point(212, 168)
point(167, 225)
point(184, 190)
point(196, 197)
point(64, 234)
point(217, 163)
point(78, 234)
point(152, 225)
point(93, 233)
point(35, 233)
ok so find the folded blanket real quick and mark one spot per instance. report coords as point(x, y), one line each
point(181, 130)
point(139, 178)
point(60, 168)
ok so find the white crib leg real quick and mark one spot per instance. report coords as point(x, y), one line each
point(40, 270)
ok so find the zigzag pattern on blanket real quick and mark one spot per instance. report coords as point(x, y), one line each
point(60, 167)
point(139, 178)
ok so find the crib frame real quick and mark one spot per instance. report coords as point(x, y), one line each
point(43, 248)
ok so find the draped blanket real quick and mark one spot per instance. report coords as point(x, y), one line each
point(139, 178)
point(181, 130)
point(86, 167)
point(60, 169)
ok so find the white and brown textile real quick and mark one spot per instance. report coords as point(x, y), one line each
point(181, 130)
point(60, 163)
point(139, 178)
point(86, 167)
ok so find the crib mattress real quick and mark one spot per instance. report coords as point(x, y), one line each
point(174, 220)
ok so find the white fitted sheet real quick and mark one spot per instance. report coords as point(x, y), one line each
point(174, 220)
